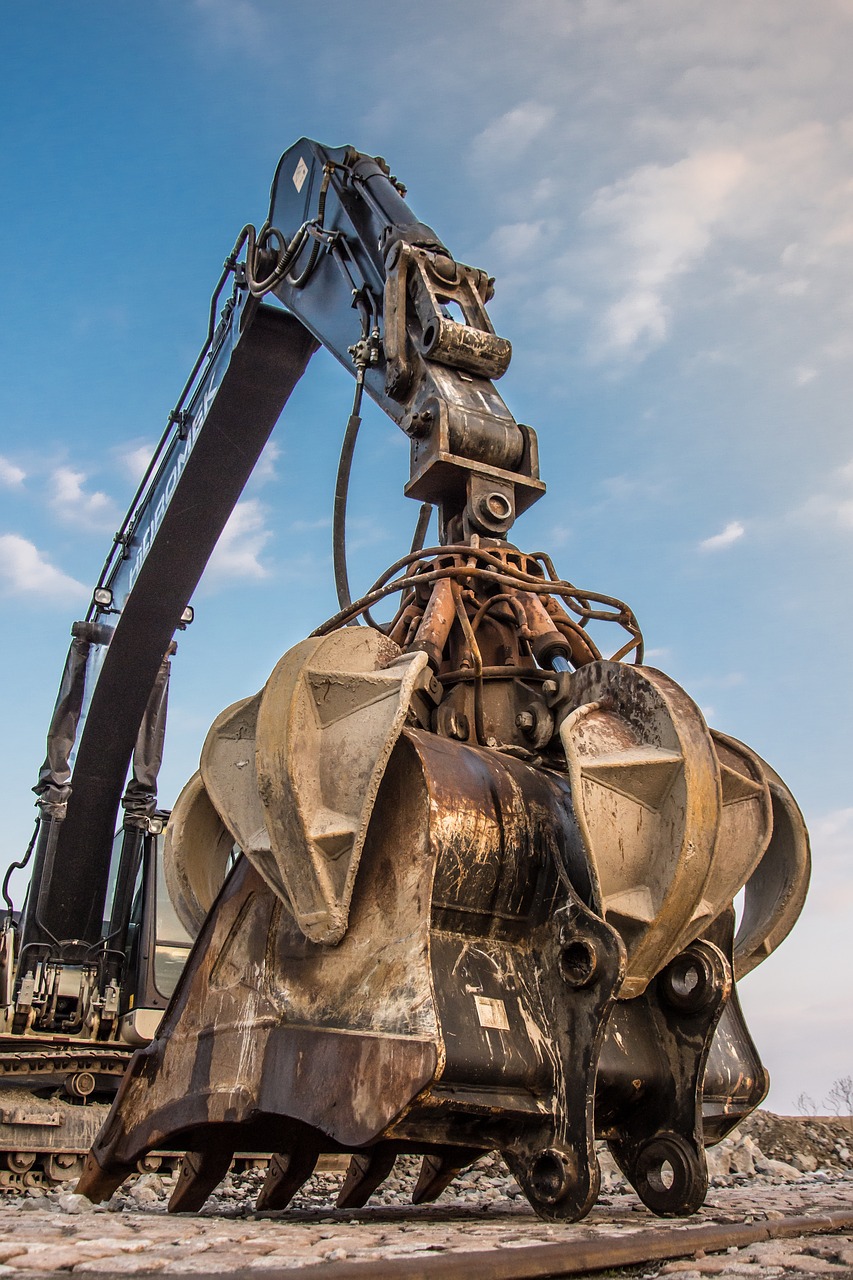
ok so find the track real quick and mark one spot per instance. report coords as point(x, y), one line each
point(773, 1225)
point(582, 1257)
point(45, 1131)
point(49, 1169)
point(52, 1103)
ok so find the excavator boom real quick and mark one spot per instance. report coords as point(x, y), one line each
point(157, 560)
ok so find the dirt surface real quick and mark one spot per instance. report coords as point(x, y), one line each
point(757, 1176)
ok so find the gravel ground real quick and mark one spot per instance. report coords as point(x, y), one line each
point(61, 1232)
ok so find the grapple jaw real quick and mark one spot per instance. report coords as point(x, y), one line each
point(464, 1008)
point(488, 912)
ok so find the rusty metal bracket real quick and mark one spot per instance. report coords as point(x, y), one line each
point(656, 1134)
point(584, 962)
point(432, 280)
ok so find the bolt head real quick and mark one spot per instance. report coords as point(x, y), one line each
point(495, 506)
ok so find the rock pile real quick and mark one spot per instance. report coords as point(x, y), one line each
point(782, 1149)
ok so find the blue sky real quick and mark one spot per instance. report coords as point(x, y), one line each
point(664, 192)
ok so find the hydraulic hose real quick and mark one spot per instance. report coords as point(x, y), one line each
point(19, 866)
point(339, 512)
point(288, 251)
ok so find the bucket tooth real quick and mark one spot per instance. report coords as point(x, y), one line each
point(99, 1184)
point(288, 1171)
point(201, 1171)
point(439, 1169)
point(364, 1175)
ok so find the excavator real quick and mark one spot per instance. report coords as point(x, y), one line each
point(459, 879)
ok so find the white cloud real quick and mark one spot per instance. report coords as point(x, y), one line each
point(265, 467)
point(702, 180)
point(792, 1002)
point(729, 680)
point(732, 680)
point(632, 488)
point(506, 139)
point(516, 240)
point(311, 526)
point(557, 301)
point(659, 222)
point(803, 375)
point(560, 535)
point(10, 474)
point(645, 171)
point(237, 553)
point(74, 506)
point(365, 531)
point(793, 288)
point(733, 531)
point(26, 571)
point(239, 25)
point(134, 460)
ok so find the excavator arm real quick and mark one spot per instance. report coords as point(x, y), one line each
point(387, 281)
point(357, 273)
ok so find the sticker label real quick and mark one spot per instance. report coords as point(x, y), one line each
point(492, 1013)
point(300, 173)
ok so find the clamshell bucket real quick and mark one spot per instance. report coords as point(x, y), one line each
point(436, 947)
